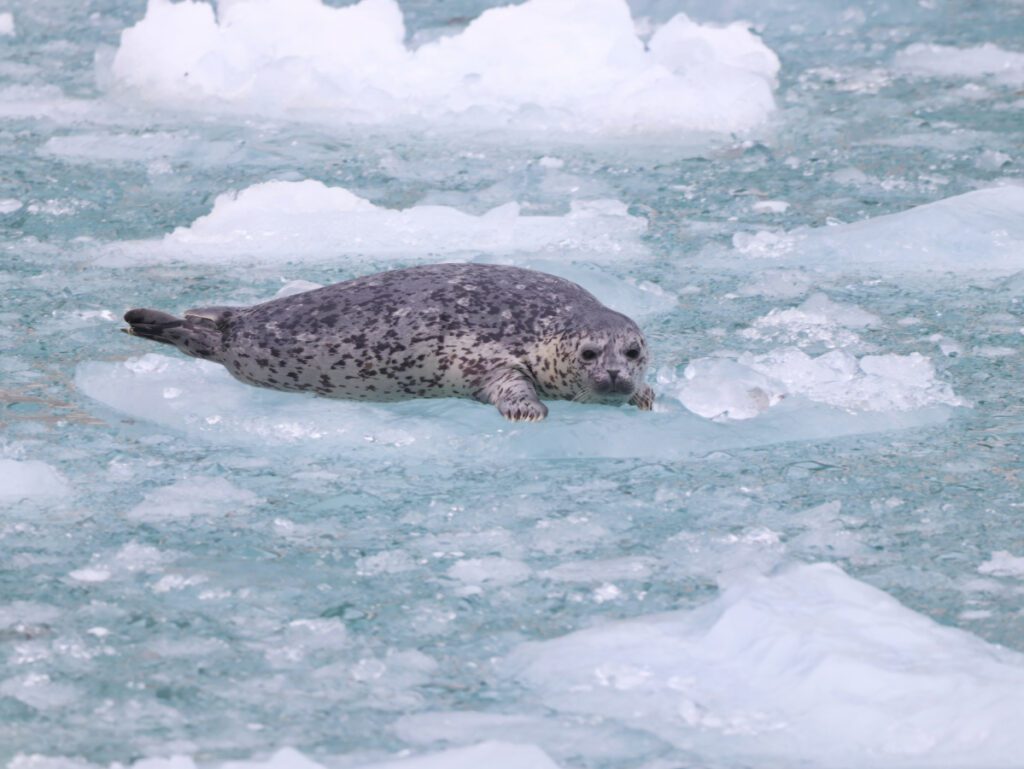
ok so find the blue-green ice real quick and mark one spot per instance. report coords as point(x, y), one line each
point(811, 554)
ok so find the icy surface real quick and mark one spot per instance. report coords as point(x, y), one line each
point(976, 232)
point(199, 573)
point(30, 479)
point(807, 663)
point(986, 60)
point(295, 221)
point(570, 65)
point(7, 28)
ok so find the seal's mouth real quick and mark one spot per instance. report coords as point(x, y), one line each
point(615, 395)
point(617, 388)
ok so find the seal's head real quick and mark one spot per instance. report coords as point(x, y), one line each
point(608, 359)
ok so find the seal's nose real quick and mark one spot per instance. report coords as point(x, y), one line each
point(613, 374)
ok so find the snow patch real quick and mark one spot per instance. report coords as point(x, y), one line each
point(7, 25)
point(574, 66)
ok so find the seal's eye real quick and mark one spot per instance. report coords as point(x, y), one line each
point(633, 353)
point(588, 354)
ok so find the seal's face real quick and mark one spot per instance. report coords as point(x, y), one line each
point(610, 367)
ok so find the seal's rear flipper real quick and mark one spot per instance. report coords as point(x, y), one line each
point(200, 341)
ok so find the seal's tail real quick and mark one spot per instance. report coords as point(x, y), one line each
point(192, 335)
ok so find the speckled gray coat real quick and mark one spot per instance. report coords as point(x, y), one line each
point(501, 335)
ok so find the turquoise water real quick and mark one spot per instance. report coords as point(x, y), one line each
point(221, 592)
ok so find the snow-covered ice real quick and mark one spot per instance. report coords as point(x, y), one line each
point(568, 65)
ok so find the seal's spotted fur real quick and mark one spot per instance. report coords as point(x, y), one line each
point(501, 335)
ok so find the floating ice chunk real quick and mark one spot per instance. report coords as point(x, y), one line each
point(7, 25)
point(1003, 564)
point(90, 574)
point(625, 568)
point(31, 479)
point(489, 571)
point(214, 408)
point(992, 160)
point(807, 665)
point(977, 232)
point(986, 60)
point(39, 691)
point(289, 221)
point(817, 321)
point(132, 558)
point(763, 243)
point(777, 284)
point(27, 613)
point(748, 385)
point(770, 207)
point(576, 66)
point(719, 388)
point(10, 205)
point(193, 498)
point(492, 754)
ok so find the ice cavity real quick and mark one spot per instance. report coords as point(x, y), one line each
point(981, 61)
point(807, 664)
point(30, 480)
point(283, 221)
point(569, 65)
point(977, 232)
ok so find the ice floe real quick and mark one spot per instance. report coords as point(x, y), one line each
point(975, 233)
point(947, 61)
point(494, 754)
point(200, 399)
point(805, 664)
point(31, 479)
point(193, 498)
point(283, 221)
point(1003, 564)
point(7, 28)
point(575, 66)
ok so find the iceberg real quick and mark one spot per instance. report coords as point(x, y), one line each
point(572, 66)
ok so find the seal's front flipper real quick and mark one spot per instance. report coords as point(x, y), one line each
point(515, 396)
point(643, 398)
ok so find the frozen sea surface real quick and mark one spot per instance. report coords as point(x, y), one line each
point(811, 554)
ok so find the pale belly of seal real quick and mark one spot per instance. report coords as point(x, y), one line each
point(434, 331)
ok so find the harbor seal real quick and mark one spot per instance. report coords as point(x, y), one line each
point(500, 335)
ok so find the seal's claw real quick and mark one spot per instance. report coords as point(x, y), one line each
point(643, 398)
